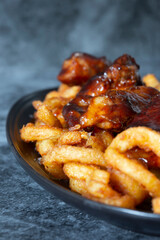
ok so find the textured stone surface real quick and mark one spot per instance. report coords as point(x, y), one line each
point(35, 37)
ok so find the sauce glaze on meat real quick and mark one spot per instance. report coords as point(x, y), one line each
point(80, 67)
point(120, 75)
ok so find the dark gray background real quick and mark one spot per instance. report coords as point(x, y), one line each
point(35, 37)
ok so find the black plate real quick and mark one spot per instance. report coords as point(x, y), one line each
point(20, 114)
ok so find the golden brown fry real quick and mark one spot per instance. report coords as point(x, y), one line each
point(55, 169)
point(71, 92)
point(97, 184)
point(95, 143)
point(65, 92)
point(99, 179)
point(45, 115)
point(70, 138)
point(82, 172)
point(65, 154)
point(82, 139)
point(78, 186)
point(99, 175)
point(52, 94)
point(96, 179)
point(135, 170)
point(38, 123)
point(119, 201)
point(56, 102)
point(62, 120)
point(36, 104)
point(32, 133)
point(77, 170)
point(100, 190)
point(62, 88)
point(127, 185)
point(87, 181)
point(144, 138)
point(104, 136)
point(156, 205)
point(151, 81)
point(44, 146)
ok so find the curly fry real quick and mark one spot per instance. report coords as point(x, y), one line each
point(32, 133)
point(64, 154)
point(151, 81)
point(144, 138)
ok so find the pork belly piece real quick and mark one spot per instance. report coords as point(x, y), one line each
point(118, 108)
point(80, 67)
point(122, 74)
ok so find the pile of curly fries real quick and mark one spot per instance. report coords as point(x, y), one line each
point(103, 164)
